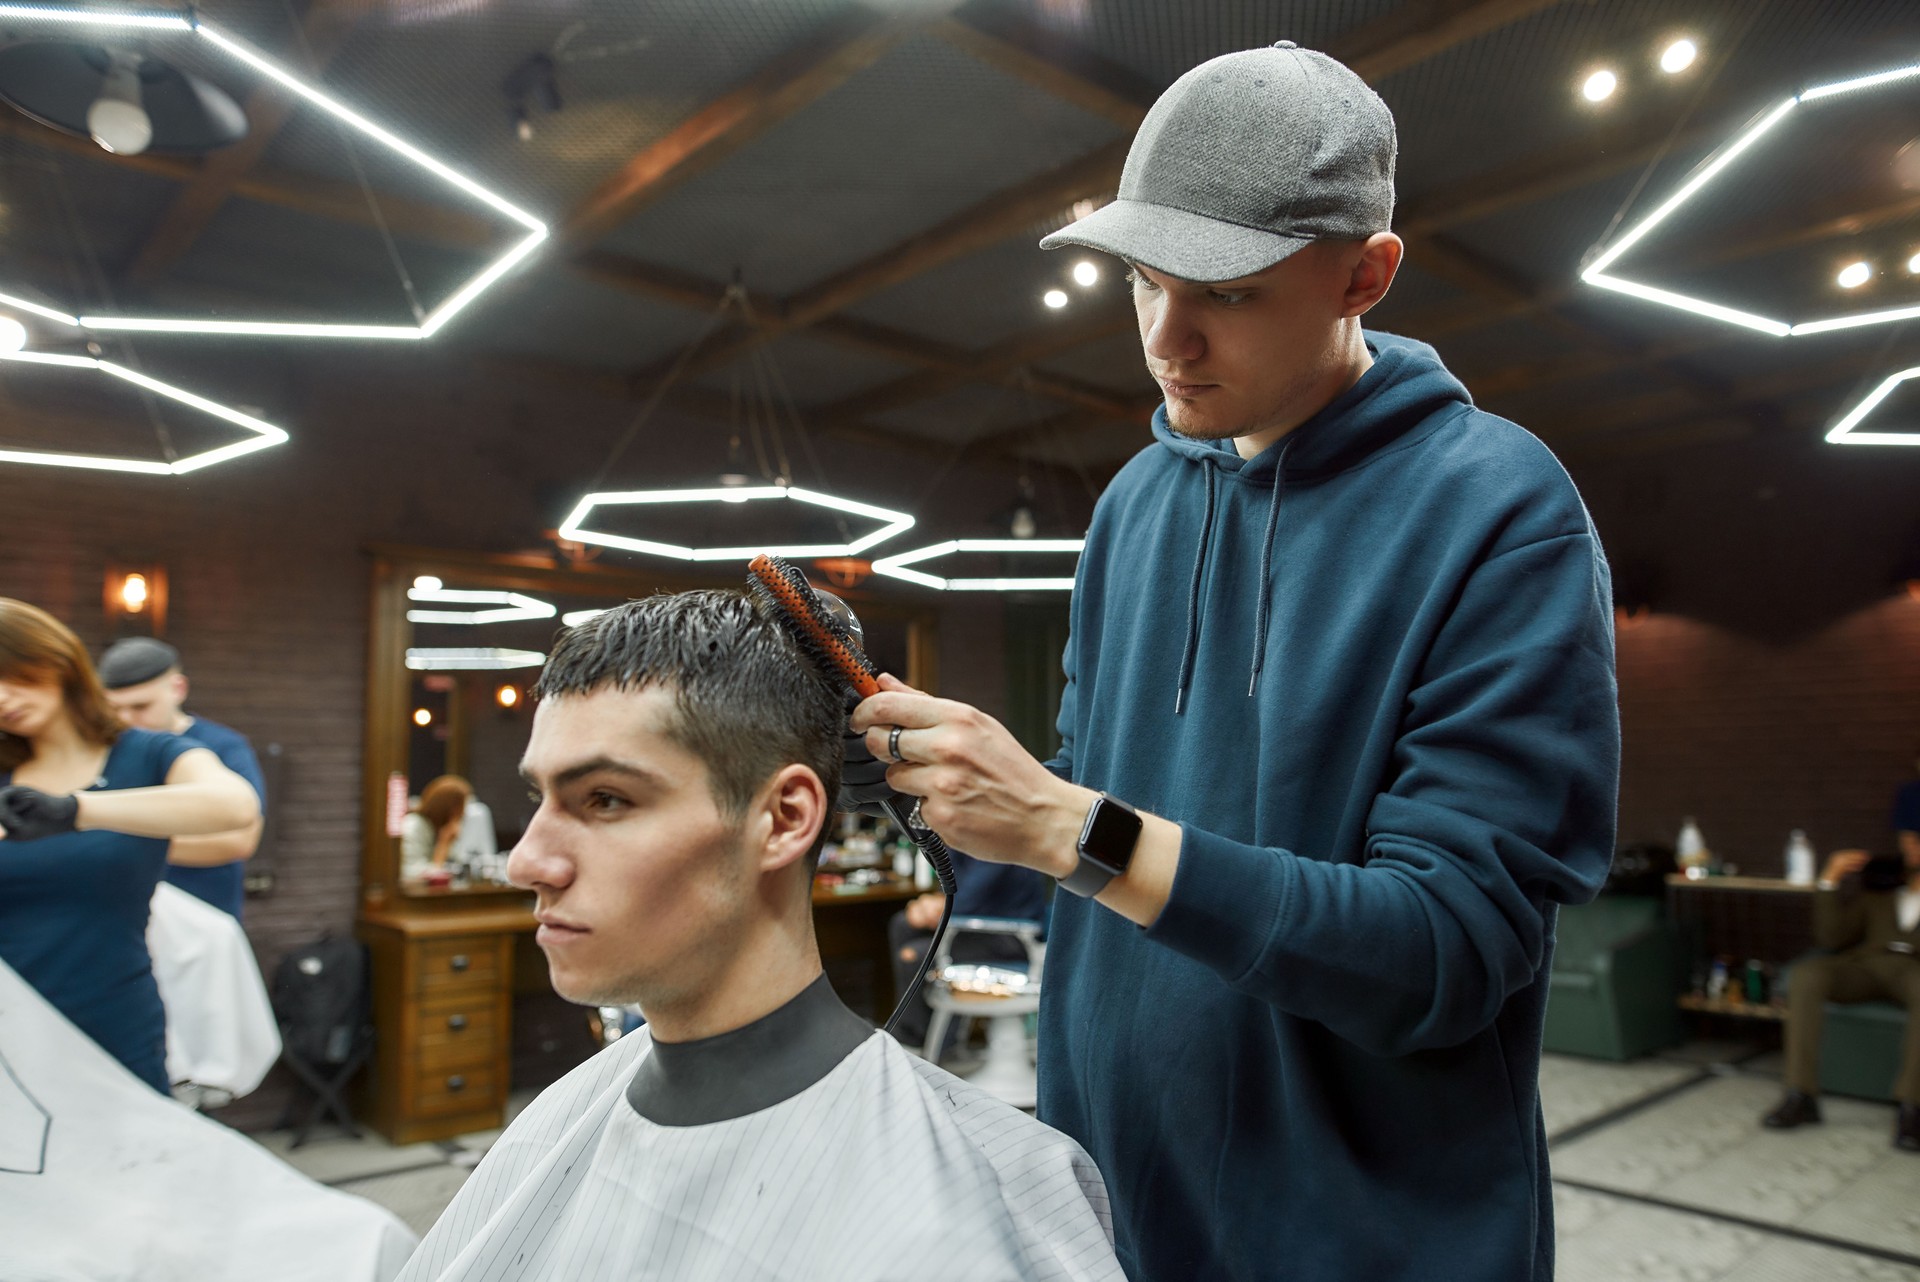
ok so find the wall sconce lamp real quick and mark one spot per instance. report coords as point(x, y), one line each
point(136, 599)
point(508, 697)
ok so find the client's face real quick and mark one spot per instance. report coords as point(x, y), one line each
point(27, 708)
point(644, 886)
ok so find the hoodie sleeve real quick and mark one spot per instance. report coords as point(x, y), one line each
point(1061, 763)
point(1502, 800)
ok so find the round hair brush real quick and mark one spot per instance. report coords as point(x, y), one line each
point(792, 602)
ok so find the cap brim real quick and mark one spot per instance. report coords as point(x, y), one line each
point(1175, 242)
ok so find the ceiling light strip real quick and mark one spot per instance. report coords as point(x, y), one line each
point(391, 141)
point(1861, 82)
point(899, 566)
point(1706, 175)
point(268, 329)
point(434, 321)
point(1842, 433)
point(36, 309)
point(265, 434)
point(95, 18)
point(1698, 306)
point(1857, 320)
point(470, 658)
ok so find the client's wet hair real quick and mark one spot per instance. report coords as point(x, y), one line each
point(745, 700)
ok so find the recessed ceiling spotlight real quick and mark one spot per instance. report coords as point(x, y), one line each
point(1913, 265)
point(1086, 273)
point(13, 335)
point(1055, 298)
point(1599, 86)
point(1854, 275)
point(1678, 56)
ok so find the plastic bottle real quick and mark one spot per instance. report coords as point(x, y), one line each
point(1691, 853)
point(1800, 859)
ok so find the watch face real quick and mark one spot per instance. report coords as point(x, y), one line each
point(1112, 831)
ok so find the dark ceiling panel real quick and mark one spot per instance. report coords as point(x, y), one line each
point(1115, 362)
point(813, 370)
point(967, 414)
point(557, 316)
point(627, 74)
point(978, 300)
point(62, 213)
point(1160, 41)
point(923, 134)
point(270, 263)
point(1513, 92)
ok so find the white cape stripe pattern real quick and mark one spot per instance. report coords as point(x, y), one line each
point(103, 1179)
point(887, 1168)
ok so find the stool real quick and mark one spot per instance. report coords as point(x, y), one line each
point(1860, 1048)
point(1004, 995)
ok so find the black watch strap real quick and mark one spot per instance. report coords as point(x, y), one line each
point(1106, 845)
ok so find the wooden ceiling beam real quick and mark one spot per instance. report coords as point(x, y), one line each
point(802, 75)
point(325, 29)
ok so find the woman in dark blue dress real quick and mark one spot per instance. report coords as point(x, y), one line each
point(86, 811)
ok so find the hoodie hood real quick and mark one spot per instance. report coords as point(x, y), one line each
point(1405, 387)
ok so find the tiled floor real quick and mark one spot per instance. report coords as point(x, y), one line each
point(1662, 1174)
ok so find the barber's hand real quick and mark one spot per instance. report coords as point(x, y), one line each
point(1844, 863)
point(979, 789)
point(863, 778)
point(27, 814)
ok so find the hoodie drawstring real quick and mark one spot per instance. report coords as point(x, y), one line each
point(1266, 572)
point(1193, 597)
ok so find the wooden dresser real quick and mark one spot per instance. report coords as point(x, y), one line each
point(442, 1011)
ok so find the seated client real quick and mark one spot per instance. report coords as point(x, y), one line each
point(684, 756)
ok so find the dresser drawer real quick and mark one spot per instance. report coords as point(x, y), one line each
point(455, 1090)
point(462, 963)
point(458, 1030)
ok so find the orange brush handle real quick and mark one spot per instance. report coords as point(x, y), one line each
point(803, 614)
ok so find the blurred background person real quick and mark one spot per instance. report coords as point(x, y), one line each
point(87, 809)
point(147, 688)
point(434, 828)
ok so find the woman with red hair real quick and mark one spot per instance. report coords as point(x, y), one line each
point(87, 808)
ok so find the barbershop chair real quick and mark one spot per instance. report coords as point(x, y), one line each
point(1616, 971)
point(1004, 995)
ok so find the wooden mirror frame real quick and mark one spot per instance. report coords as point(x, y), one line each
point(388, 632)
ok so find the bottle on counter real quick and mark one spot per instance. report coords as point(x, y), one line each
point(1691, 851)
point(1800, 859)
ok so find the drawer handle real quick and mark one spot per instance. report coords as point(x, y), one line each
point(459, 961)
point(456, 1083)
point(456, 1022)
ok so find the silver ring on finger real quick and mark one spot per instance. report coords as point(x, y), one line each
point(893, 744)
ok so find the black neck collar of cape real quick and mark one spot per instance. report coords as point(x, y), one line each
point(751, 1068)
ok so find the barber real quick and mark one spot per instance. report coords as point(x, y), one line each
point(1339, 733)
point(147, 688)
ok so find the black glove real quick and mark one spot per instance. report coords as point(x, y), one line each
point(27, 814)
point(863, 777)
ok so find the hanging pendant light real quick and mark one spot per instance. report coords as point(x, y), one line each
point(127, 102)
point(898, 565)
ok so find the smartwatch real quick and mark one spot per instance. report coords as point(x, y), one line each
point(1106, 846)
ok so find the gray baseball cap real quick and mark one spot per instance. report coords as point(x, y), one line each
point(1242, 161)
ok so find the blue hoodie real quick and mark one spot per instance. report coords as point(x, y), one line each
point(1370, 674)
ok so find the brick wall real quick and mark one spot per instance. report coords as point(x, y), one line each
point(1776, 682)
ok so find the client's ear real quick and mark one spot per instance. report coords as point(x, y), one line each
point(794, 806)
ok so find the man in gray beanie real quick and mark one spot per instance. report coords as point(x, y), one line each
point(1345, 640)
point(147, 688)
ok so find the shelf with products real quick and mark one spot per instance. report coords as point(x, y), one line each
point(1738, 1009)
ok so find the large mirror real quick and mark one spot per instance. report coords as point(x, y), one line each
point(456, 644)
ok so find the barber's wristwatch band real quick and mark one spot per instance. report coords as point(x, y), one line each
point(1106, 846)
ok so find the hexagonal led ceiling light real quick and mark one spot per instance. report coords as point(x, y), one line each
point(192, 24)
point(264, 433)
point(471, 659)
point(895, 566)
point(1842, 433)
point(574, 528)
point(1596, 273)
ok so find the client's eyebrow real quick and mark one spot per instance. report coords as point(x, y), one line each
point(596, 765)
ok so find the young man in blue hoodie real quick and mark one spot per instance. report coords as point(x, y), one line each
point(1339, 735)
